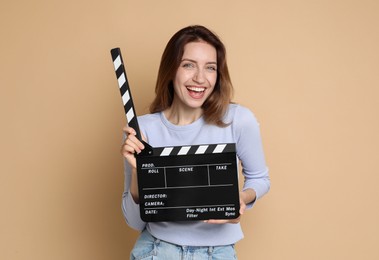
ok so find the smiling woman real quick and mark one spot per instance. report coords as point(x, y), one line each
point(176, 54)
point(193, 106)
point(194, 82)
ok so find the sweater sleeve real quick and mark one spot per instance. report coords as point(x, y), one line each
point(250, 152)
point(130, 209)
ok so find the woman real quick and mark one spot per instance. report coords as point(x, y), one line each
point(193, 106)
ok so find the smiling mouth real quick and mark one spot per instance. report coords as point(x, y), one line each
point(196, 89)
point(196, 92)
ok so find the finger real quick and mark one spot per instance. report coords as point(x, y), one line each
point(129, 148)
point(131, 134)
point(134, 142)
point(223, 221)
point(132, 146)
point(128, 153)
point(216, 221)
point(242, 208)
point(129, 130)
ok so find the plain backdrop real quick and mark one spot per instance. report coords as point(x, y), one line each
point(309, 70)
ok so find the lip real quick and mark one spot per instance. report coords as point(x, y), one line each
point(198, 89)
point(196, 92)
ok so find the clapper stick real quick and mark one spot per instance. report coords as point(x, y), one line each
point(126, 96)
point(178, 183)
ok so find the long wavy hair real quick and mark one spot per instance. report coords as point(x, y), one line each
point(217, 103)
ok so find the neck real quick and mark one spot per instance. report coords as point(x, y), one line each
point(179, 115)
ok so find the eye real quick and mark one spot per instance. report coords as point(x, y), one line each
point(188, 65)
point(212, 68)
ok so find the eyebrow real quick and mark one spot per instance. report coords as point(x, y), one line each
point(210, 62)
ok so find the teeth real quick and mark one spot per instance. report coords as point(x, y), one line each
point(196, 89)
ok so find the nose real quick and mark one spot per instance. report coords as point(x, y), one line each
point(199, 76)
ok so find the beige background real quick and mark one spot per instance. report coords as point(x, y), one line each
point(308, 69)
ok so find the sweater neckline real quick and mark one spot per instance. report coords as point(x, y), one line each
point(197, 123)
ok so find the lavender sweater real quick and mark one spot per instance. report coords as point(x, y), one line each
point(244, 131)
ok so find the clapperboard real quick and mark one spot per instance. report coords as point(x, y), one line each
point(181, 183)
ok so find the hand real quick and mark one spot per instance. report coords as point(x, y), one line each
point(247, 195)
point(131, 146)
point(233, 221)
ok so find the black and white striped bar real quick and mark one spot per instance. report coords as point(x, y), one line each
point(125, 90)
point(194, 149)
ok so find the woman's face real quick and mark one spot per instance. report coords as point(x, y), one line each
point(197, 74)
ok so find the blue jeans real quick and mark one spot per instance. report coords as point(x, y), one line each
point(148, 247)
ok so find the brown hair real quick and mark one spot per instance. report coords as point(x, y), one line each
point(216, 104)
